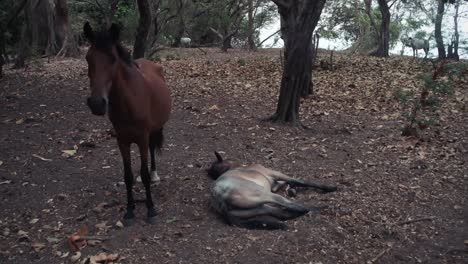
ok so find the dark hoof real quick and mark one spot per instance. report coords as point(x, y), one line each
point(151, 220)
point(128, 221)
point(151, 216)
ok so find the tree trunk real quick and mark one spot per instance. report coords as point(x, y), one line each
point(23, 48)
point(456, 36)
point(227, 43)
point(143, 28)
point(299, 19)
point(250, 40)
point(438, 29)
point(65, 38)
point(384, 34)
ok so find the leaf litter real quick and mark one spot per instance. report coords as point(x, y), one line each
point(383, 178)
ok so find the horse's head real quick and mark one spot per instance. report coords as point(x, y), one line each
point(102, 58)
point(219, 167)
point(407, 41)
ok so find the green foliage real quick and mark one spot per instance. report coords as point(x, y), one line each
point(436, 85)
point(11, 34)
point(127, 15)
point(241, 62)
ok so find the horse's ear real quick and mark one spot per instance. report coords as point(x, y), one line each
point(88, 32)
point(218, 156)
point(114, 32)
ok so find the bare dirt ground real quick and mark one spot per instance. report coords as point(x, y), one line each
point(385, 180)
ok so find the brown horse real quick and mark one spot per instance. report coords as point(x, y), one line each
point(135, 96)
point(245, 196)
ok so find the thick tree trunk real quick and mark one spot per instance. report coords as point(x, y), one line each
point(456, 36)
point(299, 19)
point(250, 40)
point(384, 36)
point(438, 29)
point(69, 47)
point(227, 43)
point(23, 48)
point(143, 28)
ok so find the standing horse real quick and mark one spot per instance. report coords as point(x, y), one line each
point(137, 100)
point(416, 44)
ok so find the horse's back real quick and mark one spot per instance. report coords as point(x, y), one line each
point(160, 99)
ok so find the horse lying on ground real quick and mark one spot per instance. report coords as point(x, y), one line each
point(245, 196)
point(135, 95)
point(416, 44)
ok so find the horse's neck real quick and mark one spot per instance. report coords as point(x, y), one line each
point(125, 87)
point(128, 80)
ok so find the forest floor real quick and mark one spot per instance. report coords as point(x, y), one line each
point(399, 200)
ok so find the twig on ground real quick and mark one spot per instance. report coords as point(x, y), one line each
point(379, 256)
point(415, 220)
point(100, 238)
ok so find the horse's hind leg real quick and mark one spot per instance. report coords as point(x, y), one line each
point(155, 143)
point(128, 177)
point(156, 140)
point(145, 177)
point(278, 176)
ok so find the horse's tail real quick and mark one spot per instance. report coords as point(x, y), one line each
point(157, 139)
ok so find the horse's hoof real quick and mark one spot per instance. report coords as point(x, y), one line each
point(154, 177)
point(151, 220)
point(128, 221)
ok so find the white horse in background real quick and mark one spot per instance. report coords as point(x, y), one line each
point(185, 42)
point(416, 44)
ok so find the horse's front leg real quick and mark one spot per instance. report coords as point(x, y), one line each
point(128, 176)
point(143, 145)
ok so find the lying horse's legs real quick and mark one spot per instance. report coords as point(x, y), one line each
point(128, 176)
point(278, 176)
point(264, 216)
point(277, 212)
point(290, 206)
point(145, 178)
point(255, 221)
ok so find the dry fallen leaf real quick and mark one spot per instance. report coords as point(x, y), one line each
point(69, 153)
point(119, 224)
point(103, 258)
point(5, 182)
point(76, 256)
point(75, 242)
point(214, 107)
point(40, 157)
point(102, 226)
point(38, 246)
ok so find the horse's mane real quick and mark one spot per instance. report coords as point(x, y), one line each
point(104, 42)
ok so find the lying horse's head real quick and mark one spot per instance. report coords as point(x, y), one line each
point(219, 167)
point(103, 58)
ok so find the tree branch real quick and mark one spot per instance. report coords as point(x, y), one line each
point(282, 4)
point(260, 44)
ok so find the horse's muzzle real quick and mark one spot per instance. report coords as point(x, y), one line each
point(98, 105)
